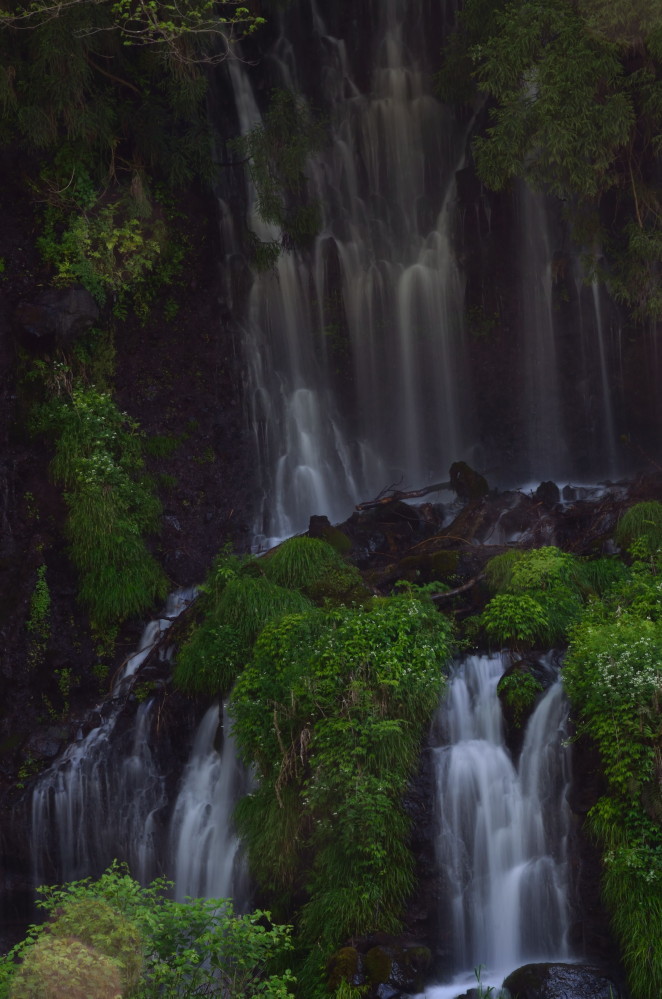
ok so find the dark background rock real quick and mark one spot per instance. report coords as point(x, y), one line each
point(561, 981)
point(56, 316)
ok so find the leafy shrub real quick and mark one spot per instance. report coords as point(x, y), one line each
point(106, 249)
point(519, 690)
point(352, 690)
point(613, 676)
point(538, 600)
point(65, 969)
point(515, 620)
point(195, 948)
point(95, 923)
point(642, 522)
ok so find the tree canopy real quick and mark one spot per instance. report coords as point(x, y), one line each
point(575, 109)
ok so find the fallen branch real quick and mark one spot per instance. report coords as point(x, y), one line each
point(398, 494)
point(459, 589)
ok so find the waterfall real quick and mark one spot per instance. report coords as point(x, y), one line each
point(101, 799)
point(204, 846)
point(503, 828)
point(546, 433)
point(361, 370)
point(357, 366)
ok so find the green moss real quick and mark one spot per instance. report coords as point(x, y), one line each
point(378, 964)
point(343, 967)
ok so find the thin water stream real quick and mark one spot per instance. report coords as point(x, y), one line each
point(503, 829)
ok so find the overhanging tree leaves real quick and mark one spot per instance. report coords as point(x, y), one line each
point(576, 93)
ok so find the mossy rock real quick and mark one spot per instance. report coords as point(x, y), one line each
point(468, 484)
point(344, 966)
point(378, 963)
point(426, 568)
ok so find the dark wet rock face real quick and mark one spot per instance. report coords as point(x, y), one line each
point(56, 316)
point(561, 981)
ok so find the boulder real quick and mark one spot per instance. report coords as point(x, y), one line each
point(548, 494)
point(466, 483)
point(561, 981)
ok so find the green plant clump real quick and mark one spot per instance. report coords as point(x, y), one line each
point(539, 597)
point(351, 691)
point(65, 968)
point(39, 620)
point(110, 504)
point(144, 945)
point(317, 569)
point(519, 691)
point(642, 523)
point(613, 677)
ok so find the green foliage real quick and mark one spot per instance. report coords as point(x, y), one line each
point(277, 150)
point(95, 923)
point(317, 569)
point(499, 570)
point(539, 598)
point(39, 619)
point(577, 112)
point(519, 690)
point(613, 677)
point(642, 522)
point(197, 948)
point(175, 27)
point(105, 253)
point(110, 504)
point(351, 690)
point(236, 606)
point(516, 620)
point(55, 968)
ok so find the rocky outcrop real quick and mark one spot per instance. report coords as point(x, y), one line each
point(561, 981)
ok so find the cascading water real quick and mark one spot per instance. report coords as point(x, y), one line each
point(203, 843)
point(105, 798)
point(361, 370)
point(546, 433)
point(99, 800)
point(503, 829)
point(356, 356)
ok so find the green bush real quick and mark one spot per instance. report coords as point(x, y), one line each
point(519, 690)
point(236, 607)
point(195, 948)
point(352, 691)
point(499, 570)
point(613, 677)
point(539, 597)
point(518, 621)
point(643, 523)
point(65, 968)
point(95, 923)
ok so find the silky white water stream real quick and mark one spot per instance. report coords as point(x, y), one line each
point(503, 829)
